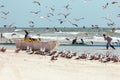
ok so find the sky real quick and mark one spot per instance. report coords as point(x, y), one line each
point(21, 13)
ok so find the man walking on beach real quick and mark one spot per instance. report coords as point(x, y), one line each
point(108, 39)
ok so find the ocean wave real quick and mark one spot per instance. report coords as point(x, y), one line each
point(67, 32)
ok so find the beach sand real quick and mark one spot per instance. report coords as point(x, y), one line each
point(24, 66)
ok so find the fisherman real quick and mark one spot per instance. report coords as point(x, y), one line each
point(74, 41)
point(26, 34)
point(1, 36)
point(91, 42)
point(82, 41)
point(29, 38)
point(108, 39)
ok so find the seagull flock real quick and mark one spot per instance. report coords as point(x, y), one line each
point(61, 17)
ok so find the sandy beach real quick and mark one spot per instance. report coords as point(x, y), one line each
point(72, 40)
point(24, 66)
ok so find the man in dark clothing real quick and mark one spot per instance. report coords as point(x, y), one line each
point(74, 41)
point(26, 34)
point(108, 39)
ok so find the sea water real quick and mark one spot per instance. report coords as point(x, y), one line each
point(79, 49)
point(65, 36)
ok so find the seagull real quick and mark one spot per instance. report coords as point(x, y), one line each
point(118, 15)
point(56, 29)
point(73, 23)
point(45, 17)
point(95, 26)
point(36, 2)
point(5, 13)
point(105, 6)
point(35, 12)
point(114, 2)
point(67, 7)
point(31, 26)
point(78, 19)
point(11, 25)
point(2, 6)
point(51, 14)
point(4, 18)
point(61, 21)
point(67, 39)
point(65, 15)
point(117, 3)
point(31, 22)
point(51, 9)
point(107, 19)
point(85, 1)
point(111, 24)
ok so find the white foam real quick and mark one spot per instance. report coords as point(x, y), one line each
point(101, 39)
point(17, 30)
point(13, 35)
point(67, 32)
point(117, 31)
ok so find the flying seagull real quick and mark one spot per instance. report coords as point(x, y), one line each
point(35, 12)
point(31, 22)
point(65, 15)
point(45, 17)
point(5, 13)
point(4, 18)
point(114, 2)
point(61, 21)
point(36, 2)
point(105, 6)
point(107, 19)
point(2, 6)
point(67, 7)
point(118, 15)
point(78, 19)
point(73, 23)
point(111, 24)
